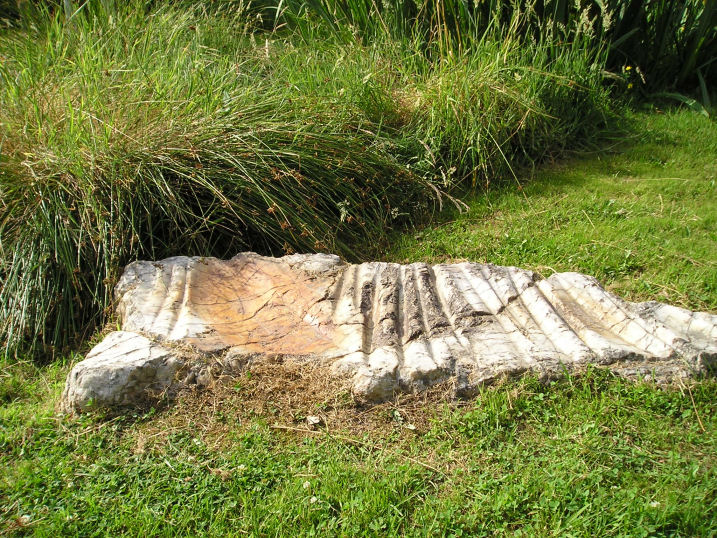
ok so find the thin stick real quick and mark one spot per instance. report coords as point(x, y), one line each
point(702, 426)
point(589, 219)
point(356, 442)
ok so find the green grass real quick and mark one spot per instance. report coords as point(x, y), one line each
point(588, 456)
point(663, 45)
point(585, 456)
point(641, 218)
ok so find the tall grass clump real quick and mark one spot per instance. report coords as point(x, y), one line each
point(668, 46)
point(131, 136)
point(132, 132)
point(477, 96)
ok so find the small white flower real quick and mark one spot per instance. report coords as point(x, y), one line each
point(306, 485)
point(313, 500)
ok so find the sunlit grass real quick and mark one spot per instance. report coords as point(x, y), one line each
point(641, 217)
point(583, 456)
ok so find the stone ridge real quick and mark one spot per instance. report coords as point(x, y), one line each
point(386, 327)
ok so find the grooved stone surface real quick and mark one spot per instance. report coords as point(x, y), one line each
point(383, 326)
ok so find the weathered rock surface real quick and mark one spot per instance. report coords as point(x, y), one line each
point(383, 326)
point(123, 369)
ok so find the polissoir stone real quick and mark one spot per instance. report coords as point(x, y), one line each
point(385, 327)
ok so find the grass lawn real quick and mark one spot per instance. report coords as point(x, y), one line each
point(583, 456)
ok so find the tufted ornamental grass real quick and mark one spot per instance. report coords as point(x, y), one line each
point(144, 132)
point(133, 137)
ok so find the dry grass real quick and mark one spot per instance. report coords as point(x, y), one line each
point(283, 394)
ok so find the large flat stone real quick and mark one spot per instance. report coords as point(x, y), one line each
point(385, 327)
